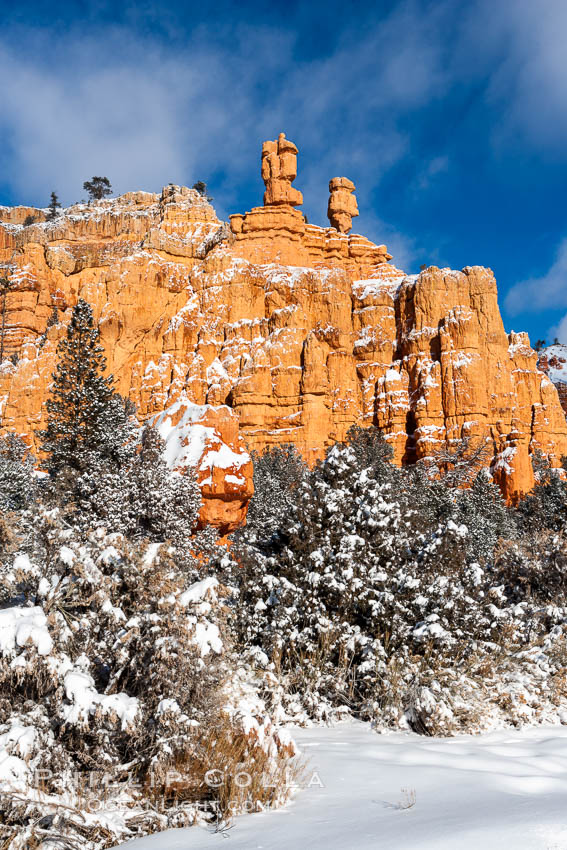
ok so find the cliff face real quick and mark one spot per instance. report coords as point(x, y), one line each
point(265, 332)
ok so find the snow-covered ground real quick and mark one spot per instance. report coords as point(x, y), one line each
point(557, 362)
point(506, 789)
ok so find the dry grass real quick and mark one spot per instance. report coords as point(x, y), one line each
point(229, 770)
point(219, 773)
point(408, 799)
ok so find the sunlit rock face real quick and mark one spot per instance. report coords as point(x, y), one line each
point(342, 206)
point(268, 331)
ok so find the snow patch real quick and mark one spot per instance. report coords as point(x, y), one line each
point(187, 441)
point(22, 626)
point(85, 700)
point(401, 790)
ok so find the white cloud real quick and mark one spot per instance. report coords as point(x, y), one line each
point(519, 49)
point(559, 331)
point(541, 293)
point(125, 109)
point(145, 113)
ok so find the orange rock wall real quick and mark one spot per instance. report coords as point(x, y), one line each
point(280, 234)
point(300, 330)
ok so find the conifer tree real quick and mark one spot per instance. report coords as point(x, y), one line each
point(17, 483)
point(201, 188)
point(88, 422)
point(97, 188)
point(277, 474)
point(545, 507)
point(164, 505)
point(144, 500)
point(484, 512)
point(54, 205)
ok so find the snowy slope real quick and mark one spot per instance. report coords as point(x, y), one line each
point(553, 361)
point(507, 789)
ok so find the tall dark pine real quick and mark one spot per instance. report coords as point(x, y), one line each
point(88, 422)
point(53, 206)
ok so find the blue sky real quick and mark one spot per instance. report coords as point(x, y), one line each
point(449, 115)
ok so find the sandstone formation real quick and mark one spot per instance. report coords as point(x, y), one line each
point(206, 438)
point(267, 332)
point(279, 233)
point(342, 206)
point(279, 170)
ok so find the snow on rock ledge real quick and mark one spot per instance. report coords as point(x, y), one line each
point(206, 439)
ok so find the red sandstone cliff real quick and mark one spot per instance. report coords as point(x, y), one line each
point(279, 331)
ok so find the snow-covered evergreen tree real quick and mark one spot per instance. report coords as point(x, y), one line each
point(483, 511)
point(545, 507)
point(17, 480)
point(380, 582)
point(145, 500)
point(277, 475)
point(87, 420)
point(164, 505)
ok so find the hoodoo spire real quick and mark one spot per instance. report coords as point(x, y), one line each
point(342, 204)
point(279, 170)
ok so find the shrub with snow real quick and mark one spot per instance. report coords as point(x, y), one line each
point(110, 656)
point(114, 661)
point(400, 598)
point(115, 658)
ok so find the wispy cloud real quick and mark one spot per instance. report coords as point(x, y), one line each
point(145, 112)
point(558, 331)
point(121, 107)
point(146, 108)
point(520, 46)
point(544, 292)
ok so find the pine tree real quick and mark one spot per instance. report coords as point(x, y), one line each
point(17, 482)
point(144, 500)
point(87, 422)
point(97, 188)
point(484, 512)
point(201, 188)
point(164, 505)
point(545, 507)
point(371, 450)
point(54, 205)
point(277, 474)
